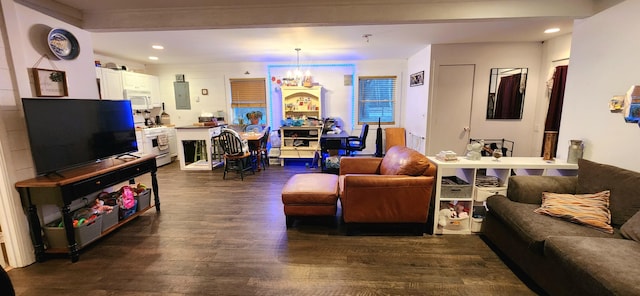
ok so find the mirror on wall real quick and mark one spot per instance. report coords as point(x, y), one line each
point(506, 93)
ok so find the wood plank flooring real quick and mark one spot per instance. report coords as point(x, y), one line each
point(228, 237)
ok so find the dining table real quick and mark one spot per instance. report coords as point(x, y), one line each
point(253, 138)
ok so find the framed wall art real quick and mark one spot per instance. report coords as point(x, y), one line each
point(50, 83)
point(416, 79)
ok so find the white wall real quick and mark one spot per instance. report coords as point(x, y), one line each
point(555, 52)
point(499, 55)
point(416, 104)
point(337, 97)
point(604, 63)
point(25, 44)
point(34, 27)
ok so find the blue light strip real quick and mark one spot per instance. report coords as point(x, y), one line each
point(353, 73)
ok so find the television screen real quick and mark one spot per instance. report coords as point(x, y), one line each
point(64, 133)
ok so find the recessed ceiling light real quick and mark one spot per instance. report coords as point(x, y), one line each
point(153, 58)
point(157, 47)
point(552, 30)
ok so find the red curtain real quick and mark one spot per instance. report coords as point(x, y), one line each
point(509, 98)
point(554, 113)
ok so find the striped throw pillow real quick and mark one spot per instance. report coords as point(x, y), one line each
point(587, 209)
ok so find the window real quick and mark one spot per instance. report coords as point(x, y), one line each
point(248, 95)
point(376, 99)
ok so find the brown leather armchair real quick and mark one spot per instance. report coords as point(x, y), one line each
point(393, 189)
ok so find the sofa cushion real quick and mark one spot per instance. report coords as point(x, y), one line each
point(602, 266)
point(401, 160)
point(631, 229)
point(533, 229)
point(623, 184)
point(528, 189)
point(588, 209)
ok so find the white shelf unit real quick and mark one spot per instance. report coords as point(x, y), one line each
point(470, 170)
point(299, 102)
point(299, 141)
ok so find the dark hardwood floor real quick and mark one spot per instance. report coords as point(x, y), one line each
point(228, 237)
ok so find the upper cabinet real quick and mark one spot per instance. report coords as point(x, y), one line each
point(115, 84)
point(110, 84)
point(136, 81)
point(154, 86)
point(300, 102)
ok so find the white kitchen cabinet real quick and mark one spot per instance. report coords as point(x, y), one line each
point(173, 142)
point(136, 81)
point(110, 83)
point(470, 191)
point(154, 86)
point(145, 84)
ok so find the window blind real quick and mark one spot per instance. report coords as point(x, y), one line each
point(248, 92)
point(376, 99)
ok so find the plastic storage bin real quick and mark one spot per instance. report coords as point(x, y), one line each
point(110, 219)
point(482, 193)
point(457, 223)
point(84, 234)
point(144, 199)
point(476, 224)
point(125, 213)
point(455, 188)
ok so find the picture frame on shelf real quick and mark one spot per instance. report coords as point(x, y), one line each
point(416, 79)
point(50, 83)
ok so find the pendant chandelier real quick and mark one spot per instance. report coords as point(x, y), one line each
point(296, 77)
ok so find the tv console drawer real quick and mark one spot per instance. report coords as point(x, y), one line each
point(138, 169)
point(94, 184)
point(97, 183)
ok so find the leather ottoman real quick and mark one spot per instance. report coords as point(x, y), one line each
point(313, 194)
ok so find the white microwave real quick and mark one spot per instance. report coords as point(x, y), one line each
point(139, 100)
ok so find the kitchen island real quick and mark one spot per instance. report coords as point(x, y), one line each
point(197, 133)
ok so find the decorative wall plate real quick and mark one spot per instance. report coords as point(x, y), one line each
point(63, 44)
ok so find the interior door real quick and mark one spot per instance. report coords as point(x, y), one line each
point(450, 109)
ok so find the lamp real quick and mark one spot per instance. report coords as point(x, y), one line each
point(295, 77)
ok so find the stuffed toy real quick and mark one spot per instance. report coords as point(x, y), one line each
point(475, 149)
point(444, 215)
point(128, 198)
point(100, 208)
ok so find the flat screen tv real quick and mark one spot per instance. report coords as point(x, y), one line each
point(66, 133)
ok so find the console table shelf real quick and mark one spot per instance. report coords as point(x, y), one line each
point(472, 194)
point(61, 190)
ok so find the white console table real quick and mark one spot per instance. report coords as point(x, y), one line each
point(468, 171)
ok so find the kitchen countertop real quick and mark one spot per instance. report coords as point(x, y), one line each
point(195, 127)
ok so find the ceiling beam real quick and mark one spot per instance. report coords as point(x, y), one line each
point(57, 10)
point(252, 14)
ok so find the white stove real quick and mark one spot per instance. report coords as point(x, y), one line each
point(155, 141)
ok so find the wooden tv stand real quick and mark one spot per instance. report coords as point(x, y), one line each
point(63, 188)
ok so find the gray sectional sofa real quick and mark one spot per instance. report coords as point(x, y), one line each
point(565, 258)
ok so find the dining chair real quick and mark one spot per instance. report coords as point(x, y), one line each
point(358, 143)
point(263, 149)
point(236, 153)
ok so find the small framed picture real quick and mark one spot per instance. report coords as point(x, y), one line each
point(50, 83)
point(205, 92)
point(416, 79)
